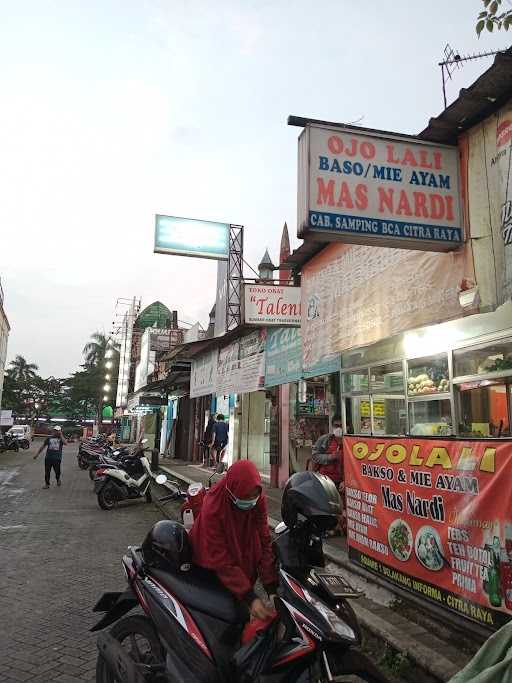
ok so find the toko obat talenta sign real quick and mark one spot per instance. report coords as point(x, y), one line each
point(191, 237)
point(272, 305)
point(376, 189)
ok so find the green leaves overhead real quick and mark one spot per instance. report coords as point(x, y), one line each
point(489, 19)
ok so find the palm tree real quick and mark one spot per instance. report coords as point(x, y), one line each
point(21, 371)
point(101, 357)
point(94, 352)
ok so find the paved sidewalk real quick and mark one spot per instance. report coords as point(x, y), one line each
point(58, 553)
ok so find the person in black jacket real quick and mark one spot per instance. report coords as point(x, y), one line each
point(207, 437)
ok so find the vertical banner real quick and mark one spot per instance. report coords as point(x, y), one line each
point(252, 362)
point(435, 517)
point(228, 369)
point(203, 374)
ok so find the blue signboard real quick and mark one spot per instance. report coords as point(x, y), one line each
point(283, 356)
point(376, 227)
point(191, 237)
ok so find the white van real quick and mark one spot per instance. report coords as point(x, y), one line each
point(21, 431)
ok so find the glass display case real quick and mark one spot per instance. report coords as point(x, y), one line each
point(387, 378)
point(484, 408)
point(428, 376)
point(483, 360)
point(355, 381)
point(430, 418)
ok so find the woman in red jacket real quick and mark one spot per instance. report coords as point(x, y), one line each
point(231, 536)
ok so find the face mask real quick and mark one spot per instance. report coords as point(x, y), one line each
point(337, 432)
point(243, 504)
point(246, 504)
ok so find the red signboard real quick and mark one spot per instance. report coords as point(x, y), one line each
point(435, 517)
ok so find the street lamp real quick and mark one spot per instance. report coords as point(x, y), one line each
point(106, 387)
point(108, 364)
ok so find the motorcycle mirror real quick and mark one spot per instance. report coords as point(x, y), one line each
point(160, 479)
point(280, 528)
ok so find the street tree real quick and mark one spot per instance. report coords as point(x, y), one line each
point(101, 357)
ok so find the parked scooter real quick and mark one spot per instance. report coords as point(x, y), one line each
point(9, 442)
point(128, 479)
point(109, 458)
point(89, 451)
point(194, 629)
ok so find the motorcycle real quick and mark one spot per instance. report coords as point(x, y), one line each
point(114, 483)
point(110, 458)
point(193, 628)
point(9, 442)
point(90, 450)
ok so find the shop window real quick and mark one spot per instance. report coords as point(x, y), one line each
point(430, 418)
point(484, 408)
point(427, 376)
point(355, 381)
point(491, 358)
point(387, 378)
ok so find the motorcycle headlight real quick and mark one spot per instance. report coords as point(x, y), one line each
point(338, 625)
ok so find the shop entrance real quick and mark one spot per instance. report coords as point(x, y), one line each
point(255, 433)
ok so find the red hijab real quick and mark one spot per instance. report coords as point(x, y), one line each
point(235, 543)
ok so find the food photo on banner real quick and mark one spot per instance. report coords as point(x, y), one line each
point(435, 517)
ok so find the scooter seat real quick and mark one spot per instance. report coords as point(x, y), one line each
point(200, 589)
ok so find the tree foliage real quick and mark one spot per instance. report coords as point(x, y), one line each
point(78, 397)
point(493, 18)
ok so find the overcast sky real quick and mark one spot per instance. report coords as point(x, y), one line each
point(114, 111)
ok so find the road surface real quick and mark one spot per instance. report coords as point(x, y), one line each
point(58, 553)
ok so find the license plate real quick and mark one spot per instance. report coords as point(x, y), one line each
point(337, 585)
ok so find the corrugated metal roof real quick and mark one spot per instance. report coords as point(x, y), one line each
point(485, 96)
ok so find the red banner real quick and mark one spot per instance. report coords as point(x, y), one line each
point(435, 517)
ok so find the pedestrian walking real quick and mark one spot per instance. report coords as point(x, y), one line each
point(53, 458)
point(219, 439)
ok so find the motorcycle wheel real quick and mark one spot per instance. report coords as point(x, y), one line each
point(82, 463)
point(138, 637)
point(25, 444)
point(15, 447)
point(106, 497)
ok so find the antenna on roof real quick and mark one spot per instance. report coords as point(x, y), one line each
point(453, 60)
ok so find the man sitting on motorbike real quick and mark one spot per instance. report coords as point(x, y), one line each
point(231, 536)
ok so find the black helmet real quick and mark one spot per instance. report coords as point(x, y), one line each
point(167, 547)
point(313, 496)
